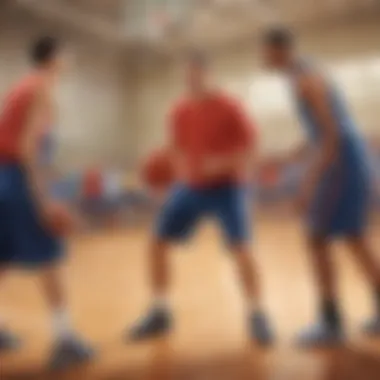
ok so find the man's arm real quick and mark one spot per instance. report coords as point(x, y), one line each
point(314, 92)
point(29, 147)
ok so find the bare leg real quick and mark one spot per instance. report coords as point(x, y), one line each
point(68, 350)
point(247, 270)
point(260, 329)
point(321, 258)
point(329, 329)
point(7, 340)
point(54, 287)
point(366, 258)
point(3, 273)
point(159, 267)
point(158, 319)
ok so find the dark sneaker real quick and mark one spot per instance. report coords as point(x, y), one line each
point(321, 335)
point(260, 329)
point(156, 322)
point(69, 353)
point(372, 327)
point(8, 342)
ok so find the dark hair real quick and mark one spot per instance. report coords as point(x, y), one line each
point(44, 49)
point(279, 37)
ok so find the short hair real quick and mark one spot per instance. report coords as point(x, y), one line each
point(279, 37)
point(44, 49)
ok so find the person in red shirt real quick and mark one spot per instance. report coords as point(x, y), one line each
point(212, 141)
point(32, 223)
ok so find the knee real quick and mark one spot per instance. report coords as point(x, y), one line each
point(317, 244)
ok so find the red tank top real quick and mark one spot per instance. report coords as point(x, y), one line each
point(14, 115)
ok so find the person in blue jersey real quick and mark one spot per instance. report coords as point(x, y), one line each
point(335, 192)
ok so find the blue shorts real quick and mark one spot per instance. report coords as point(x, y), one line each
point(229, 205)
point(341, 204)
point(24, 240)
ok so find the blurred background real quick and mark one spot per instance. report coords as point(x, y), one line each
point(114, 101)
point(126, 73)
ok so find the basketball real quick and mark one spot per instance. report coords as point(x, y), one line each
point(158, 170)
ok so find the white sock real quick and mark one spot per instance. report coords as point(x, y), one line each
point(61, 324)
point(161, 302)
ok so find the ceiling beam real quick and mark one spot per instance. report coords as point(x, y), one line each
point(72, 17)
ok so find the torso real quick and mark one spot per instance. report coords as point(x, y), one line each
point(202, 130)
point(14, 116)
point(351, 144)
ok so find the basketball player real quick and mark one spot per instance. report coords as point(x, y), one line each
point(211, 143)
point(31, 223)
point(336, 189)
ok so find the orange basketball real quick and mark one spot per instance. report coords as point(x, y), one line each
point(158, 170)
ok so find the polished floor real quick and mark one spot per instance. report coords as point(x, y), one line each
point(107, 279)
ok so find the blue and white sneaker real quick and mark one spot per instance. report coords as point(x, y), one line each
point(70, 352)
point(372, 327)
point(260, 329)
point(156, 322)
point(321, 335)
point(8, 342)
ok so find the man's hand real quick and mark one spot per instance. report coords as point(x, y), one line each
point(58, 218)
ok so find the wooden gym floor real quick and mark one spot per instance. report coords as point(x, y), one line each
point(107, 279)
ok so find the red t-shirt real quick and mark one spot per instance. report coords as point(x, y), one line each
point(215, 126)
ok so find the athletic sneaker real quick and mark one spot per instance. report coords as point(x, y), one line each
point(372, 327)
point(70, 352)
point(260, 329)
point(157, 322)
point(8, 342)
point(321, 335)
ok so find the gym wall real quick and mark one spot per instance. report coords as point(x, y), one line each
point(93, 117)
point(351, 53)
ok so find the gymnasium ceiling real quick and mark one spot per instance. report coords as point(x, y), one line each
point(176, 23)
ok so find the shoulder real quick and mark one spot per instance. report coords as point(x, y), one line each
point(179, 108)
point(228, 103)
point(310, 82)
point(308, 78)
point(179, 111)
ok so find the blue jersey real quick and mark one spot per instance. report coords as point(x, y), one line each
point(341, 200)
point(352, 150)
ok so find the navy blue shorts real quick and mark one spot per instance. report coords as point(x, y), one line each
point(24, 240)
point(341, 204)
point(230, 205)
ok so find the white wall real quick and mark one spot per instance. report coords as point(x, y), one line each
point(112, 112)
point(352, 53)
point(93, 112)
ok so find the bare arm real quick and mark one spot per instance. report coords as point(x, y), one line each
point(29, 148)
point(314, 91)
